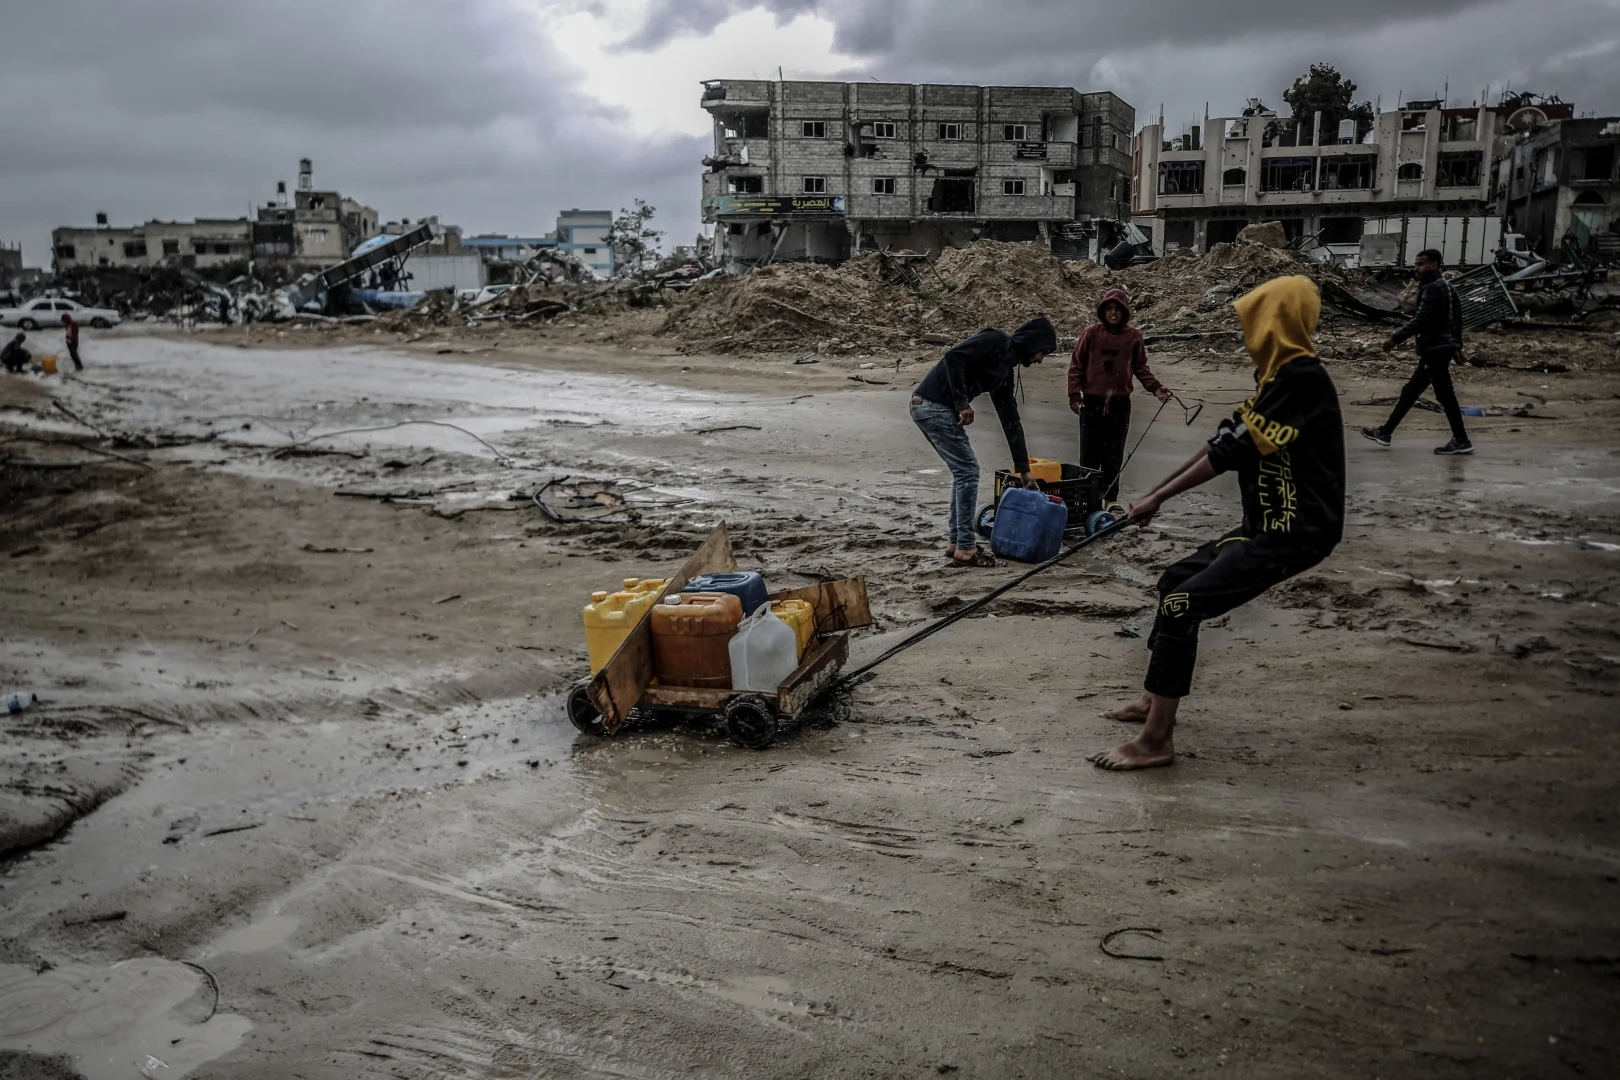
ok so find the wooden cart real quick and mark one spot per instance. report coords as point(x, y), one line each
point(601, 705)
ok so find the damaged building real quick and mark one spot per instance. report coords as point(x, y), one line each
point(814, 171)
point(318, 228)
point(196, 244)
point(1560, 180)
point(1413, 177)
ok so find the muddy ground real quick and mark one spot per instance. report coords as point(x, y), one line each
point(312, 743)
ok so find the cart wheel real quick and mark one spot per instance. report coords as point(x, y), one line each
point(985, 521)
point(582, 712)
point(1099, 521)
point(751, 721)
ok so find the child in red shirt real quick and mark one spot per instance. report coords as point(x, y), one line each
point(1106, 358)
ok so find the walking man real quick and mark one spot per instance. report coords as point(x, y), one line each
point(1438, 328)
point(72, 326)
point(942, 405)
point(1286, 445)
point(1109, 355)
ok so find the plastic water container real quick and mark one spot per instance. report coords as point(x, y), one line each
point(799, 614)
point(1029, 526)
point(746, 586)
point(1046, 470)
point(764, 652)
point(692, 635)
point(609, 618)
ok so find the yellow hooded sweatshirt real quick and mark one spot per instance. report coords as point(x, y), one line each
point(1278, 319)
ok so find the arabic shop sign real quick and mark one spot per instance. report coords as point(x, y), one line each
point(778, 205)
point(1030, 151)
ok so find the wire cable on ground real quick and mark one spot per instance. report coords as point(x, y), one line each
point(963, 612)
point(499, 456)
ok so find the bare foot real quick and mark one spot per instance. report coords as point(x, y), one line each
point(1134, 713)
point(1135, 754)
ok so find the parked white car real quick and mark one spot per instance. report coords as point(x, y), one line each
point(47, 312)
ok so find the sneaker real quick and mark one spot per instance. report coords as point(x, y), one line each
point(1376, 434)
point(1455, 447)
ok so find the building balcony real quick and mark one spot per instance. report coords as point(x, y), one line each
point(1056, 155)
point(733, 95)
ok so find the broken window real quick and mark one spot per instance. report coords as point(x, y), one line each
point(1288, 174)
point(1012, 187)
point(884, 129)
point(813, 129)
point(1460, 129)
point(745, 185)
point(222, 249)
point(1599, 163)
point(171, 247)
point(65, 251)
point(1460, 168)
point(589, 251)
point(199, 247)
point(1234, 178)
point(815, 185)
point(1224, 231)
point(883, 185)
point(1015, 132)
point(1413, 121)
point(1350, 172)
point(1411, 170)
point(135, 249)
point(952, 195)
point(950, 132)
point(318, 202)
point(1181, 178)
point(749, 126)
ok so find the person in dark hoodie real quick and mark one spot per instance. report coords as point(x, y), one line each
point(942, 405)
point(1286, 444)
point(1110, 353)
point(14, 357)
point(1437, 325)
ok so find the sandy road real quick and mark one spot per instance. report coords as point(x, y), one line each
point(1389, 847)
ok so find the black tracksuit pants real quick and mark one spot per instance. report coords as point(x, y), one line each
point(1105, 425)
point(1222, 575)
point(1432, 368)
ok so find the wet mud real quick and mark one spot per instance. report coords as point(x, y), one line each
point(314, 744)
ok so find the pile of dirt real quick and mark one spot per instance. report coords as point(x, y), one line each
point(988, 283)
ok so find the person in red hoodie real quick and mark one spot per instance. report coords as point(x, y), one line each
point(72, 326)
point(1109, 354)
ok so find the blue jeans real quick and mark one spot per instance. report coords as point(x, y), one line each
point(943, 429)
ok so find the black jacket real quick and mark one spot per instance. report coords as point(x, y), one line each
point(14, 354)
point(1295, 493)
point(987, 363)
point(1438, 322)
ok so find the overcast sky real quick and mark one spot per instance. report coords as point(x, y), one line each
point(495, 114)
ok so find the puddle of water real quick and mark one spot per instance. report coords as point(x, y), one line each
point(127, 1020)
point(761, 993)
point(267, 933)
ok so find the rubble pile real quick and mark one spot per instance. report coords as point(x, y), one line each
point(862, 305)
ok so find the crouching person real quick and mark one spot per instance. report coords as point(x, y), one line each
point(1286, 444)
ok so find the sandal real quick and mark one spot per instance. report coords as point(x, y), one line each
point(978, 558)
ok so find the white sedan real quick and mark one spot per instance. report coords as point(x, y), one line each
point(48, 312)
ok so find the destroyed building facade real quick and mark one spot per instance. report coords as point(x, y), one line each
point(815, 171)
point(318, 228)
point(194, 244)
point(1560, 179)
point(1336, 182)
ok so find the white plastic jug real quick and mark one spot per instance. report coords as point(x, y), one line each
point(764, 652)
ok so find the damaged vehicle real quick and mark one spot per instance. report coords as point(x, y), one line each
point(48, 311)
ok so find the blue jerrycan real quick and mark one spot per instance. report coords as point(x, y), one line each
point(1029, 526)
point(747, 586)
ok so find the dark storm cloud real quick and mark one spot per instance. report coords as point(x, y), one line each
point(186, 108)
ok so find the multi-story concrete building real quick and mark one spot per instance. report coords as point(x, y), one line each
point(1201, 187)
point(585, 234)
point(201, 243)
point(1562, 179)
point(818, 170)
point(320, 228)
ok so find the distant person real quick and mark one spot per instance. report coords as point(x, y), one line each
point(72, 326)
point(14, 357)
point(942, 405)
point(1110, 353)
point(1286, 445)
point(1438, 328)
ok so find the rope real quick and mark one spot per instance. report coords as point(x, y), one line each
point(963, 612)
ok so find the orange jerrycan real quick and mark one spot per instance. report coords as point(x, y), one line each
point(692, 635)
